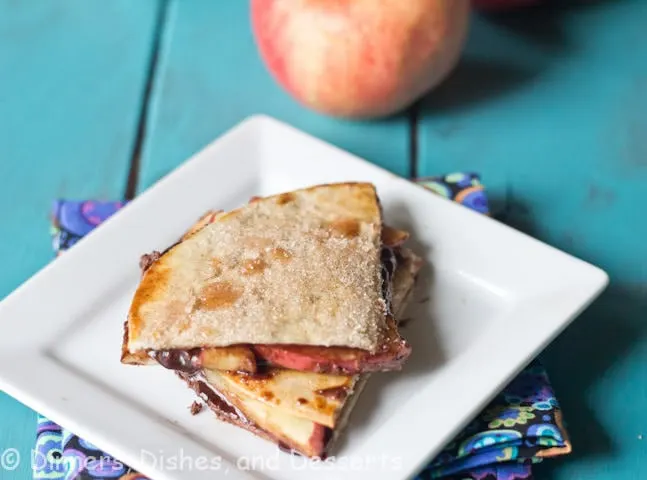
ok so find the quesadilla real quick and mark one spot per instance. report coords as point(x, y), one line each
point(301, 280)
point(301, 412)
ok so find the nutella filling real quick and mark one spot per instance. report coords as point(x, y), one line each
point(216, 400)
point(187, 361)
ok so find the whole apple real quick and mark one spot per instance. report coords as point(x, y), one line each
point(359, 58)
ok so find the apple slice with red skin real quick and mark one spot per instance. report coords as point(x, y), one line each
point(340, 360)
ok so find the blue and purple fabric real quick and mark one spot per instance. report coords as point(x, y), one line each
point(521, 426)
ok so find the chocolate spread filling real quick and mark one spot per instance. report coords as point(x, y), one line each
point(214, 399)
point(189, 361)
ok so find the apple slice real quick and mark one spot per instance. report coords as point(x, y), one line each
point(279, 425)
point(391, 356)
point(316, 397)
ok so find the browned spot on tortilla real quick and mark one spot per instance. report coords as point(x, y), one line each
point(254, 266)
point(254, 199)
point(348, 228)
point(285, 198)
point(218, 295)
point(302, 401)
point(281, 254)
point(267, 395)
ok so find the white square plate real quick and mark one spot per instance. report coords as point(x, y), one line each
point(496, 297)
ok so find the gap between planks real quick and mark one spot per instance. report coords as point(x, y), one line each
point(133, 171)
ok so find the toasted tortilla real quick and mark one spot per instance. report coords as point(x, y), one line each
point(297, 268)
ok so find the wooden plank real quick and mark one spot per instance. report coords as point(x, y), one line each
point(210, 78)
point(71, 79)
point(552, 110)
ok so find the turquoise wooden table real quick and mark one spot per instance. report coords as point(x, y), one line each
point(100, 99)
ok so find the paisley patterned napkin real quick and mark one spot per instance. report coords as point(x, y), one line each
point(521, 426)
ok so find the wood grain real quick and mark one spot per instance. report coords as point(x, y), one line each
point(72, 74)
point(551, 108)
point(210, 78)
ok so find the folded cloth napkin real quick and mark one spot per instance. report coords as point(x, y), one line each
point(521, 426)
